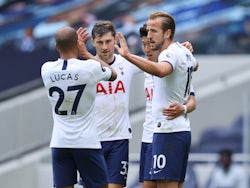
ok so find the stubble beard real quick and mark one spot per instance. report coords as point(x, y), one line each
point(106, 58)
point(157, 46)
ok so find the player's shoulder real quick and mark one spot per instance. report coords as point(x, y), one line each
point(168, 52)
point(124, 63)
point(119, 58)
point(182, 48)
point(48, 65)
point(94, 64)
point(93, 61)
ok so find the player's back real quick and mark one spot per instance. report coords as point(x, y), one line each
point(66, 80)
point(71, 91)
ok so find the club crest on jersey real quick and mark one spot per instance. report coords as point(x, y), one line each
point(168, 55)
point(121, 69)
point(103, 69)
point(112, 88)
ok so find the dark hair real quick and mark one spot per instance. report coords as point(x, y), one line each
point(167, 21)
point(102, 27)
point(143, 31)
point(226, 152)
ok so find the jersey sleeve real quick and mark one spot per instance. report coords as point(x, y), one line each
point(100, 72)
point(192, 92)
point(168, 56)
point(45, 68)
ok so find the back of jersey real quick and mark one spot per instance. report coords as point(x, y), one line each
point(71, 87)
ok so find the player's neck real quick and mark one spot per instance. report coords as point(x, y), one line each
point(166, 44)
point(69, 55)
point(108, 61)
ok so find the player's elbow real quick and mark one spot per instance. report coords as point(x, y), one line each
point(196, 67)
point(192, 106)
point(163, 69)
point(113, 76)
point(162, 72)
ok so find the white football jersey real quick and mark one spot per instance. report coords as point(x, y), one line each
point(71, 89)
point(148, 125)
point(174, 88)
point(112, 102)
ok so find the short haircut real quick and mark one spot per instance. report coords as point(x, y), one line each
point(167, 21)
point(143, 31)
point(66, 38)
point(102, 27)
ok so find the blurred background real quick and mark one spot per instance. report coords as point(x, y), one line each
point(219, 31)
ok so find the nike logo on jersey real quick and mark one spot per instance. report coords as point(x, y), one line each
point(103, 69)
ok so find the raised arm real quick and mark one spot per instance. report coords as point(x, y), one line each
point(83, 35)
point(156, 69)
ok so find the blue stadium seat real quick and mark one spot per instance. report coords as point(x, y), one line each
point(216, 138)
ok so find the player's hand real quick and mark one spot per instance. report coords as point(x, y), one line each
point(83, 36)
point(123, 48)
point(188, 45)
point(174, 110)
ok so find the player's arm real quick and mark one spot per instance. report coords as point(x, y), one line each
point(191, 104)
point(83, 35)
point(174, 110)
point(196, 67)
point(160, 69)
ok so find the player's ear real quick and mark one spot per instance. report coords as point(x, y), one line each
point(167, 34)
point(57, 48)
point(92, 41)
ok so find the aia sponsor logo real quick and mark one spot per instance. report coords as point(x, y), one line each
point(113, 88)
